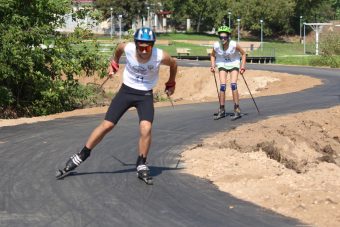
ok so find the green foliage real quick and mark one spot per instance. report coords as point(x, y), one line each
point(160, 97)
point(6, 96)
point(128, 9)
point(275, 14)
point(331, 44)
point(280, 17)
point(60, 95)
point(31, 73)
point(330, 51)
point(317, 10)
point(129, 37)
point(326, 60)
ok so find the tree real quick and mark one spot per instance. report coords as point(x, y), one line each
point(276, 15)
point(130, 10)
point(34, 58)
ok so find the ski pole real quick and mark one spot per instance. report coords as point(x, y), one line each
point(101, 86)
point(170, 99)
point(250, 93)
point(218, 95)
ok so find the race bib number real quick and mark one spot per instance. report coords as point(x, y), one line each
point(139, 79)
point(227, 58)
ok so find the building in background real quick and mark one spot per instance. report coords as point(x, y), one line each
point(158, 21)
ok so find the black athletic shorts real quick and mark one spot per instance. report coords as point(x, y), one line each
point(228, 70)
point(128, 97)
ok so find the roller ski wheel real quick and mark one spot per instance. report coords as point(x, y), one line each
point(60, 174)
point(226, 114)
point(235, 116)
point(220, 114)
point(237, 113)
point(143, 173)
point(71, 164)
point(147, 180)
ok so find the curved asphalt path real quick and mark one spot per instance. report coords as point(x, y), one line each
point(105, 190)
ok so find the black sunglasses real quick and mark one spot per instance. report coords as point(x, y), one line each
point(224, 37)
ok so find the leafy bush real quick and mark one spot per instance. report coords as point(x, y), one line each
point(37, 79)
point(330, 51)
point(60, 96)
point(331, 43)
point(326, 60)
point(6, 96)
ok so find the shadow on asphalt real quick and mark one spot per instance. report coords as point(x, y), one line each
point(155, 171)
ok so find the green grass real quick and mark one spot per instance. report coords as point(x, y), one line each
point(279, 47)
point(285, 53)
point(291, 60)
point(195, 50)
point(186, 36)
point(310, 60)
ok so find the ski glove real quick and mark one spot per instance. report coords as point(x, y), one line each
point(114, 66)
point(170, 85)
point(242, 70)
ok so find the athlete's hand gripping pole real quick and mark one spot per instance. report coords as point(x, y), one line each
point(112, 69)
point(258, 111)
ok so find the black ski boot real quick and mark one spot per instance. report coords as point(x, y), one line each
point(220, 114)
point(237, 113)
point(73, 163)
point(143, 171)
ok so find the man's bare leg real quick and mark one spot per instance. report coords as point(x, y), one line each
point(143, 171)
point(96, 136)
point(98, 133)
point(145, 138)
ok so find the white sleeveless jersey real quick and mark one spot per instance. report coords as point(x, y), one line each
point(229, 58)
point(141, 76)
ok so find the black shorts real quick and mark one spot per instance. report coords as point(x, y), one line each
point(128, 97)
point(228, 70)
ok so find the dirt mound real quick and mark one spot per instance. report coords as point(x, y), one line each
point(194, 85)
point(289, 164)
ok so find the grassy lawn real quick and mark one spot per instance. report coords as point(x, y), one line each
point(291, 60)
point(186, 36)
point(285, 53)
point(195, 50)
point(280, 49)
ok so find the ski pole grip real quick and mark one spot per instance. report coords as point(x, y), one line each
point(114, 65)
point(170, 84)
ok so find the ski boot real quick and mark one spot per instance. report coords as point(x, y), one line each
point(73, 163)
point(143, 171)
point(237, 113)
point(220, 114)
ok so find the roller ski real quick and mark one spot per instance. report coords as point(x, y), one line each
point(237, 113)
point(220, 114)
point(73, 163)
point(60, 174)
point(226, 114)
point(143, 171)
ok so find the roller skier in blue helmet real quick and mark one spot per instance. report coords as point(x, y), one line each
point(140, 76)
point(226, 56)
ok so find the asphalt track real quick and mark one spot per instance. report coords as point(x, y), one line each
point(104, 191)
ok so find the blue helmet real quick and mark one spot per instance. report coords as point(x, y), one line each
point(145, 34)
